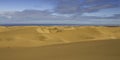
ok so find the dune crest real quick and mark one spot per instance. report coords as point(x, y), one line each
point(32, 36)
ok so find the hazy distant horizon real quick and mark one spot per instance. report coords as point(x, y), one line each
point(59, 24)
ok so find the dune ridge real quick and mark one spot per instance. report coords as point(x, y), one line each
point(33, 36)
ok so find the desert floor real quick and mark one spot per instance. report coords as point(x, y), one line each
point(59, 43)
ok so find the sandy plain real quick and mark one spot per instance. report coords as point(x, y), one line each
point(59, 43)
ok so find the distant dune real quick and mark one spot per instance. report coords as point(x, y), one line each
point(35, 36)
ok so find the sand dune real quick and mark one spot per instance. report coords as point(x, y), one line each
point(59, 43)
point(34, 36)
point(92, 50)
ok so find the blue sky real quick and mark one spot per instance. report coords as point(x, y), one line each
point(60, 11)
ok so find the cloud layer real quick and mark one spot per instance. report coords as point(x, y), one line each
point(64, 10)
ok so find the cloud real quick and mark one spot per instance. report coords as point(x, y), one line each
point(67, 6)
point(64, 10)
point(115, 16)
point(79, 6)
point(31, 15)
point(42, 17)
point(98, 7)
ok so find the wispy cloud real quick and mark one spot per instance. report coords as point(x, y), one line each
point(72, 10)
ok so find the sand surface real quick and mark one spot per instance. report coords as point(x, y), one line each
point(59, 43)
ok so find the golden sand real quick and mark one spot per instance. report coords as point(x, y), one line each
point(35, 36)
point(59, 43)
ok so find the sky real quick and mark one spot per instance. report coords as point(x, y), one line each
point(60, 12)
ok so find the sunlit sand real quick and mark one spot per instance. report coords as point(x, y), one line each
point(59, 43)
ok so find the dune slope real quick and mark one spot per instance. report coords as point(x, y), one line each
point(34, 36)
point(94, 50)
